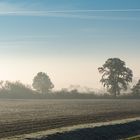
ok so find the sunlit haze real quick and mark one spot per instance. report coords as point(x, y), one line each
point(67, 39)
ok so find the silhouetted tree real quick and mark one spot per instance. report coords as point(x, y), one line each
point(42, 83)
point(16, 89)
point(116, 75)
point(1, 84)
point(15, 86)
point(136, 89)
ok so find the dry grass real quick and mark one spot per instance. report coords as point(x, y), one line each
point(133, 138)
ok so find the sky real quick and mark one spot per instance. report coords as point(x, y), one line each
point(67, 39)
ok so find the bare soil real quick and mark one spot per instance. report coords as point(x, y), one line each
point(26, 116)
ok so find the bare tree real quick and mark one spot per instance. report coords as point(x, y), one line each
point(136, 89)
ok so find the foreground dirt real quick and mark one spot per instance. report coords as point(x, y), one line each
point(22, 117)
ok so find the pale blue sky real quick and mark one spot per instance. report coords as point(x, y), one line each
point(68, 39)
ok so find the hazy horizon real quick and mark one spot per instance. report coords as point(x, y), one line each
point(68, 40)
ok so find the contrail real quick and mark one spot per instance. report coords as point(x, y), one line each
point(64, 11)
point(83, 14)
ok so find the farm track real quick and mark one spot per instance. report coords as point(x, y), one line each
point(29, 126)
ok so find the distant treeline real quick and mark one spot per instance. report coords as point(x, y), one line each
point(115, 78)
point(17, 90)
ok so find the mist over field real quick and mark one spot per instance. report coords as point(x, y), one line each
point(69, 69)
